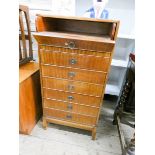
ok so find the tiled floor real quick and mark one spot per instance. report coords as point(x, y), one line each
point(62, 140)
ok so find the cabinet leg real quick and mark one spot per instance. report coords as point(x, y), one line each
point(99, 118)
point(44, 123)
point(94, 134)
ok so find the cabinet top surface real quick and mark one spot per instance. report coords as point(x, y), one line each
point(78, 18)
point(26, 70)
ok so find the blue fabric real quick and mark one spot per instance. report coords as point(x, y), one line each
point(104, 14)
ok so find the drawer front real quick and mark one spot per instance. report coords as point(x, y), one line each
point(83, 61)
point(75, 51)
point(74, 74)
point(77, 44)
point(82, 119)
point(71, 107)
point(72, 97)
point(73, 86)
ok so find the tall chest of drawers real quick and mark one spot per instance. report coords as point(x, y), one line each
point(74, 56)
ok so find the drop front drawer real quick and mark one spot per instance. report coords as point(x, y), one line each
point(72, 97)
point(75, 41)
point(68, 116)
point(75, 60)
point(74, 74)
point(71, 107)
point(73, 86)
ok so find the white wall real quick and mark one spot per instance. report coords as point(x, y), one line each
point(123, 10)
point(82, 6)
point(121, 4)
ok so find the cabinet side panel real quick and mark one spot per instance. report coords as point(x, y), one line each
point(30, 109)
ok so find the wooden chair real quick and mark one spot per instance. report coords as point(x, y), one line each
point(125, 109)
point(25, 50)
point(30, 108)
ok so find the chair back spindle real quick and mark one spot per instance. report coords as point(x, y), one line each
point(25, 50)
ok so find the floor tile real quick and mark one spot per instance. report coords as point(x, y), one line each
point(63, 140)
point(103, 142)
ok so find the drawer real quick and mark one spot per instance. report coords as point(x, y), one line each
point(72, 97)
point(76, 51)
point(73, 86)
point(71, 107)
point(68, 116)
point(74, 74)
point(105, 45)
point(75, 60)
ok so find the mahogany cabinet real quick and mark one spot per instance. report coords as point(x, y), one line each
point(74, 56)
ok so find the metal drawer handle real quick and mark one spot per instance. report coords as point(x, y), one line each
point(70, 44)
point(69, 107)
point(72, 61)
point(70, 87)
point(68, 116)
point(71, 74)
point(70, 97)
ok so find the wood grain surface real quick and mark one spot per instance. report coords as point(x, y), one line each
point(30, 108)
point(75, 55)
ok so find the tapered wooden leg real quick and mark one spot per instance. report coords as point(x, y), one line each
point(99, 117)
point(94, 134)
point(44, 123)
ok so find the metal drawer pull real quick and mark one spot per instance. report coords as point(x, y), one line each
point(70, 97)
point(69, 107)
point(72, 61)
point(68, 116)
point(70, 87)
point(70, 44)
point(71, 74)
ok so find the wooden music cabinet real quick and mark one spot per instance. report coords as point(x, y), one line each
point(75, 56)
